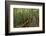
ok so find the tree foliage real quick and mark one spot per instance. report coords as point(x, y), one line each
point(21, 15)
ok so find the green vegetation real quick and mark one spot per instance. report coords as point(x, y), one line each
point(25, 17)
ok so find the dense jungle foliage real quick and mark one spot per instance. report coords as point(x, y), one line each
point(25, 17)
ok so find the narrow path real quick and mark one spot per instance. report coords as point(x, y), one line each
point(23, 24)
